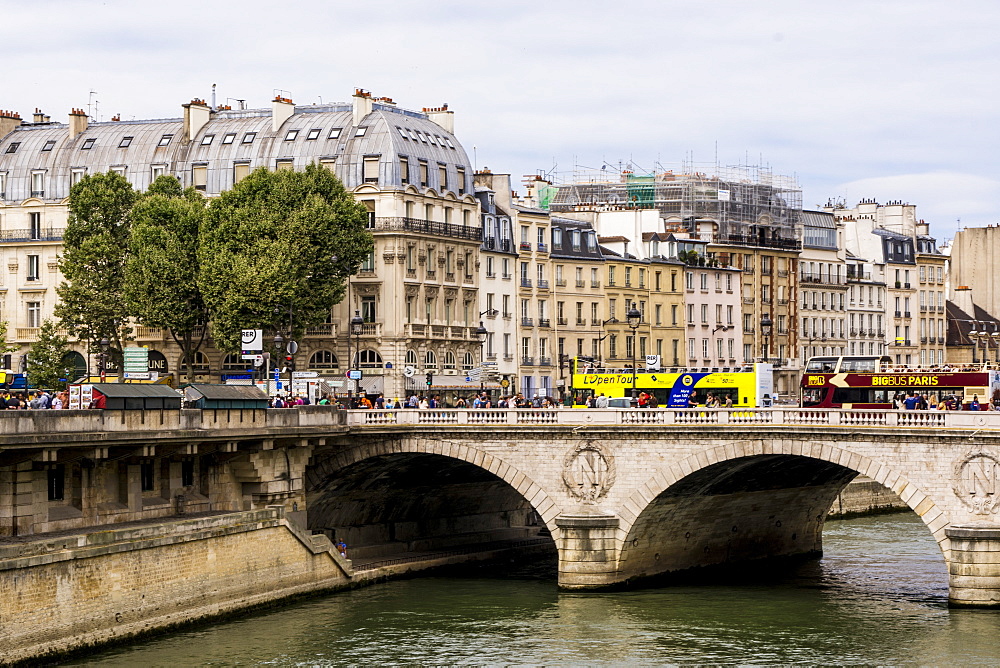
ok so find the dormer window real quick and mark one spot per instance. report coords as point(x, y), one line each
point(207, 140)
point(12, 147)
point(124, 143)
point(88, 144)
point(450, 145)
point(313, 134)
point(360, 132)
point(249, 137)
point(402, 132)
point(50, 144)
point(291, 135)
point(229, 138)
point(335, 133)
point(165, 139)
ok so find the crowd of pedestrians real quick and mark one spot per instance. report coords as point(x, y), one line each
point(915, 401)
point(34, 400)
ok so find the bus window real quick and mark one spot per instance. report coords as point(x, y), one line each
point(812, 396)
point(822, 365)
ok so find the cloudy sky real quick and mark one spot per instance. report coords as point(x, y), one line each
point(884, 99)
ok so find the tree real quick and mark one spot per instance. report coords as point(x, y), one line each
point(95, 244)
point(45, 358)
point(161, 272)
point(278, 242)
point(6, 348)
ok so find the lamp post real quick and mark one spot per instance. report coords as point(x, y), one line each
point(600, 339)
point(279, 345)
point(102, 358)
point(357, 324)
point(481, 334)
point(633, 317)
point(765, 329)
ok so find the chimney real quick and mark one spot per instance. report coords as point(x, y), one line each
point(8, 121)
point(77, 123)
point(362, 105)
point(39, 117)
point(197, 114)
point(441, 116)
point(282, 109)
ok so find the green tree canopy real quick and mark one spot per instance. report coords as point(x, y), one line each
point(278, 241)
point(95, 244)
point(161, 272)
point(45, 358)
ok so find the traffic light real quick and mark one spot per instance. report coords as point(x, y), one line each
point(290, 362)
point(430, 378)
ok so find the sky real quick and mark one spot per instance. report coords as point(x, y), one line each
point(872, 99)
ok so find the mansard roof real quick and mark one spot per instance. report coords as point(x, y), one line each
point(244, 137)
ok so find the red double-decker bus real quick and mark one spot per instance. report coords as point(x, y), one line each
point(875, 382)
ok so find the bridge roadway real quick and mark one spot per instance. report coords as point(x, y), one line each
point(624, 494)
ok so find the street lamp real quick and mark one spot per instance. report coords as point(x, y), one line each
point(102, 358)
point(633, 317)
point(357, 324)
point(765, 329)
point(481, 334)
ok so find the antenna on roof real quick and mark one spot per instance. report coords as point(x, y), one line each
point(92, 104)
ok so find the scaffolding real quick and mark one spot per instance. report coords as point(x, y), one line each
point(748, 205)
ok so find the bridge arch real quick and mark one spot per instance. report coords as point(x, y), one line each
point(736, 475)
point(362, 463)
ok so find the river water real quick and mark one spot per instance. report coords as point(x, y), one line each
point(878, 596)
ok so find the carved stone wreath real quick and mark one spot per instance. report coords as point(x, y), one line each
point(977, 482)
point(588, 472)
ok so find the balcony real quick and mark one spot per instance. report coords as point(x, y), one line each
point(26, 334)
point(542, 248)
point(525, 246)
point(899, 314)
point(324, 329)
point(411, 273)
point(544, 361)
point(527, 322)
point(527, 361)
point(433, 227)
point(560, 282)
point(782, 302)
point(544, 322)
point(506, 276)
point(491, 274)
point(923, 309)
point(371, 329)
point(525, 282)
point(562, 322)
point(143, 333)
point(438, 332)
point(449, 277)
point(906, 314)
point(34, 234)
point(748, 330)
point(542, 284)
point(595, 284)
point(508, 358)
point(581, 284)
point(782, 273)
point(581, 322)
point(760, 241)
point(748, 300)
point(431, 275)
point(923, 339)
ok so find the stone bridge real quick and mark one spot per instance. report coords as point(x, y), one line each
point(624, 494)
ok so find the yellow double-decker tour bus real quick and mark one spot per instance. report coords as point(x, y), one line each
point(675, 387)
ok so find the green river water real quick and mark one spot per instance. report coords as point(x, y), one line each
point(878, 596)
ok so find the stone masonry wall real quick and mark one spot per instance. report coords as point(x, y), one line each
point(62, 594)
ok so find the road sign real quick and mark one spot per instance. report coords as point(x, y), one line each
point(354, 374)
point(253, 340)
point(256, 358)
point(136, 359)
point(292, 347)
point(305, 374)
point(135, 375)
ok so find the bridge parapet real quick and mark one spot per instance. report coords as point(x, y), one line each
point(982, 420)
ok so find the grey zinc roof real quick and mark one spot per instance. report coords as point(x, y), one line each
point(224, 392)
point(424, 140)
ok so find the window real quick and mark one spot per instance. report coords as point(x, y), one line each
point(38, 184)
point(205, 141)
point(165, 139)
point(249, 137)
point(291, 135)
point(423, 173)
point(284, 164)
point(32, 267)
point(156, 171)
point(199, 177)
point(119, 169)
point(57, 482)
point(334, 133)
point(35, 225)
point(88, 144)
point(443, 178)
point(146, 476)
point(34, 314)
point(12, 147)
point(368, 309)
point(370, 169)
point(313, 134)
point(460, 180)
point(556, 238)
point(229, 138)
point(360, 132)
point(240, 171)
point(404, 169)
point(574, 237)
point(50, 144)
